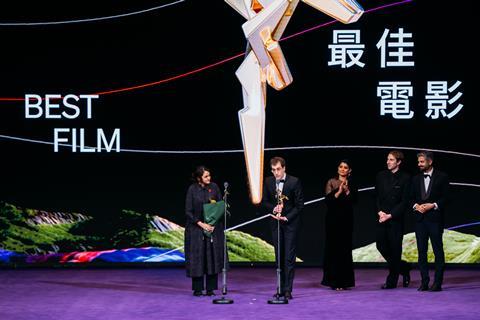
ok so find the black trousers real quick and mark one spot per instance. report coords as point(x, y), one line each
point(208, 281)
point(425, 230)
point(389, 244)
point(288, 255)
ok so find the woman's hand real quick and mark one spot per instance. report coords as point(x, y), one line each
point(340, 189)
point(205, 226)
point(346, 189)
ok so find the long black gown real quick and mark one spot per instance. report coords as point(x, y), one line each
point(338, 262)
point(203, 255)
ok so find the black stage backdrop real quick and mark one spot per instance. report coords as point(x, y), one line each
point(324, 106)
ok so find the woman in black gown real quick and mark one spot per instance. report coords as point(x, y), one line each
point(340, 197)
point(203, 255)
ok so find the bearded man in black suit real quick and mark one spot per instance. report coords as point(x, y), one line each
point(429, 197)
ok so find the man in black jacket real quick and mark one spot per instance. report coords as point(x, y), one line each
point(283, 198)
point(429, 193)
point(392, 189)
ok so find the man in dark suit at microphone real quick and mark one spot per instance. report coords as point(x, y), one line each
point(429, 192)
point(283, 198)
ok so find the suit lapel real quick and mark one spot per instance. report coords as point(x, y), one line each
point(273, 187)
point(423, 192)
point(285, 184)
point(432, 180)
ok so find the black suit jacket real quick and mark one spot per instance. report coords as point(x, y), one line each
point(437, 193)
point(292, 188)
point(393, 193)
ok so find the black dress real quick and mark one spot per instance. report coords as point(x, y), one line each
point(203, 255)
point(338, 262)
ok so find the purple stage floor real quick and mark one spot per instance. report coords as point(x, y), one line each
point(165, 293)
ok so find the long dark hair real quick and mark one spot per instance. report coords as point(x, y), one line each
point(348, 163)
point(198, 173)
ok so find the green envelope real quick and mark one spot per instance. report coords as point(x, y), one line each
point(212, 213)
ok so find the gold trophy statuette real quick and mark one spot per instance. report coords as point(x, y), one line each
point(280, 198)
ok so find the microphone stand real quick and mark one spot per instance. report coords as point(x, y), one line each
point(278, 299)
point(224, 299)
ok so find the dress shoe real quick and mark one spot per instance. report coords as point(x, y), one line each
point(280, 297)
point(388, 286)
point(406, 279)
point(435, 287)
point(423, 287)
point(288, 295)
point(197, 293)
point(210, 293)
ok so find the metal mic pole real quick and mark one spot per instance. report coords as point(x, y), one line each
point(224, 299)
point(278, 299)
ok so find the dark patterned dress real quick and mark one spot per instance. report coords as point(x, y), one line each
point(203, 255)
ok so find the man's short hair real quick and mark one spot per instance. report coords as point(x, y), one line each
point(276, 160)
point(397, 155)
point(426, 154)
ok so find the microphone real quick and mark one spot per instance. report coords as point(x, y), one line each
point(225, 185)
point(225, 194)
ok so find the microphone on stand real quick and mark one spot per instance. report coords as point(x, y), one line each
point(224, 299)
point(225, 190)
point(225, 193)
point(278, 298)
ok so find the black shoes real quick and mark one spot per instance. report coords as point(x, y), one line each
point(286, 295)
point(423, 287)
point(209, 293)
point(406, 279)
point(280, 297)
point(435, 287)
point(388, 286)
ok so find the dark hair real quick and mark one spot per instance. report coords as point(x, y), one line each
point(347, 162)
point(426, 154)
point(198, 173)
point(276, 160)
point(397, 155)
